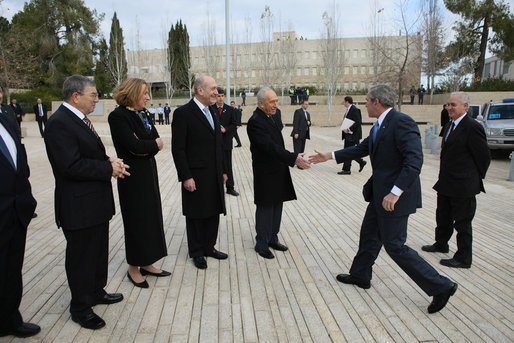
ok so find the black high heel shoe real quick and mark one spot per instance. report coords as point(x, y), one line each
point(143, 284)
point(161, 274)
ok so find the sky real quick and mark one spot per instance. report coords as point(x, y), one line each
point(155, 17)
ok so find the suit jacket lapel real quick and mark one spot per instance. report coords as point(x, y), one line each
point(381, 130)
point(14, 136)
point(201, 115)
point(84, 127)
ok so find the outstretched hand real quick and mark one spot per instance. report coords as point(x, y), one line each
point(301, 162)
point(320, 157)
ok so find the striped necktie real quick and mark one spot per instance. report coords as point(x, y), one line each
point(90, 125)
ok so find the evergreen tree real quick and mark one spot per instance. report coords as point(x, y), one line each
point(62, 34)
point(116, 60)
point(101, 77)
point(473, 35)
point(179, 57)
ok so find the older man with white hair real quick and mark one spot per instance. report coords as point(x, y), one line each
point(271, 176)
point(465, 158)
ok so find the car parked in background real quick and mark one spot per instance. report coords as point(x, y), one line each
point(498, 121)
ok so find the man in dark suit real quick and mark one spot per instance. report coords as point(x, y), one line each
point(7, 111)
point(18, 111)
point(271, 177)
point(197, 148)
point(465, 158)
point(167, 111)
point(393, 192)
point(239, 115)
point(301, 124)
point(84, 202)
point(352, 135)
point(227, 116)
point(16, 209)
point(40, 111)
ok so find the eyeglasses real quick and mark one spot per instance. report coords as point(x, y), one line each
point(92, 95)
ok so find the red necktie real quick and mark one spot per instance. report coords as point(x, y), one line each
point(219, 110)
point(451, 128)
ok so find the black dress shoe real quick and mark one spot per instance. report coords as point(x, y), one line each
point(440, 300)
point(435, 248)
point(344, 172)
point(232, 192)
point(34, 215)
point(351, 280)
point(200, 262)
point(238, 146)
point(362, 165)
point(217, 255)
point(161, 274)
point(278, 246)
point(23, 331)
point(143, 284)
point(89, 321)
point(265, 253)
point(453, 263)
point(108, 299)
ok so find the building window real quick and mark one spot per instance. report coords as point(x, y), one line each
point(355, 53)
point(306, 72)
point(315, 71)
point(346, 70)
point(355, 72)
point(363, 70)
point(346, 86)
point(363, 53)
point(299, 72)
point(253, 73)
point(354, 85)
point(371, 70)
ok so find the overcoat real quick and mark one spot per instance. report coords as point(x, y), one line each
point(140, 197)
point(197, 153)
point(270, 160)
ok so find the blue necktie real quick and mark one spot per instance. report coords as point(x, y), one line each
point(208, 116)
point(375, 130)
point(5, 151)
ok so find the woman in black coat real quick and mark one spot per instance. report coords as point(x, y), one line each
point(137, 142)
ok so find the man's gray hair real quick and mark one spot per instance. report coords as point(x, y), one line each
point(75, 83)
point(463, 97)
point(260, 94)
point(384, 93)
point(200, 82)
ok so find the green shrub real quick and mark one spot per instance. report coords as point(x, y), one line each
point(491, 84)
point(29, 98)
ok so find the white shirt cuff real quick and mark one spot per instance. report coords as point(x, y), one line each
point(396, 191)
point(333, 155)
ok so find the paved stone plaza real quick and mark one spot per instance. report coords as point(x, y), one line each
point(295, 297)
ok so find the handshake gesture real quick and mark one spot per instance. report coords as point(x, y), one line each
point(119, 169)
point(302, 162)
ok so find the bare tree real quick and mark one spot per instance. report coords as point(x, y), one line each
point(247, 50)
point(433, 44)
point(287, 59)
point(211, 55)
point(376, 41)
point(332, 54)
point(456, 74)
point(401, 55)
point(266, 47)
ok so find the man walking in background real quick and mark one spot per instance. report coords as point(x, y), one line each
point(352, 135)
point(40, 111)
point(301, 125)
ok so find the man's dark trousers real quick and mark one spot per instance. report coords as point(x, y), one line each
point(347, 165)
point(298, 145)
point(227, 155)
point(12, 251)
point(462, 211)
point(86, 265)
point(391, 231)
point(202, 234)
point(267, 224)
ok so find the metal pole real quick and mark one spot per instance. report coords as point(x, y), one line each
point(227, 52)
